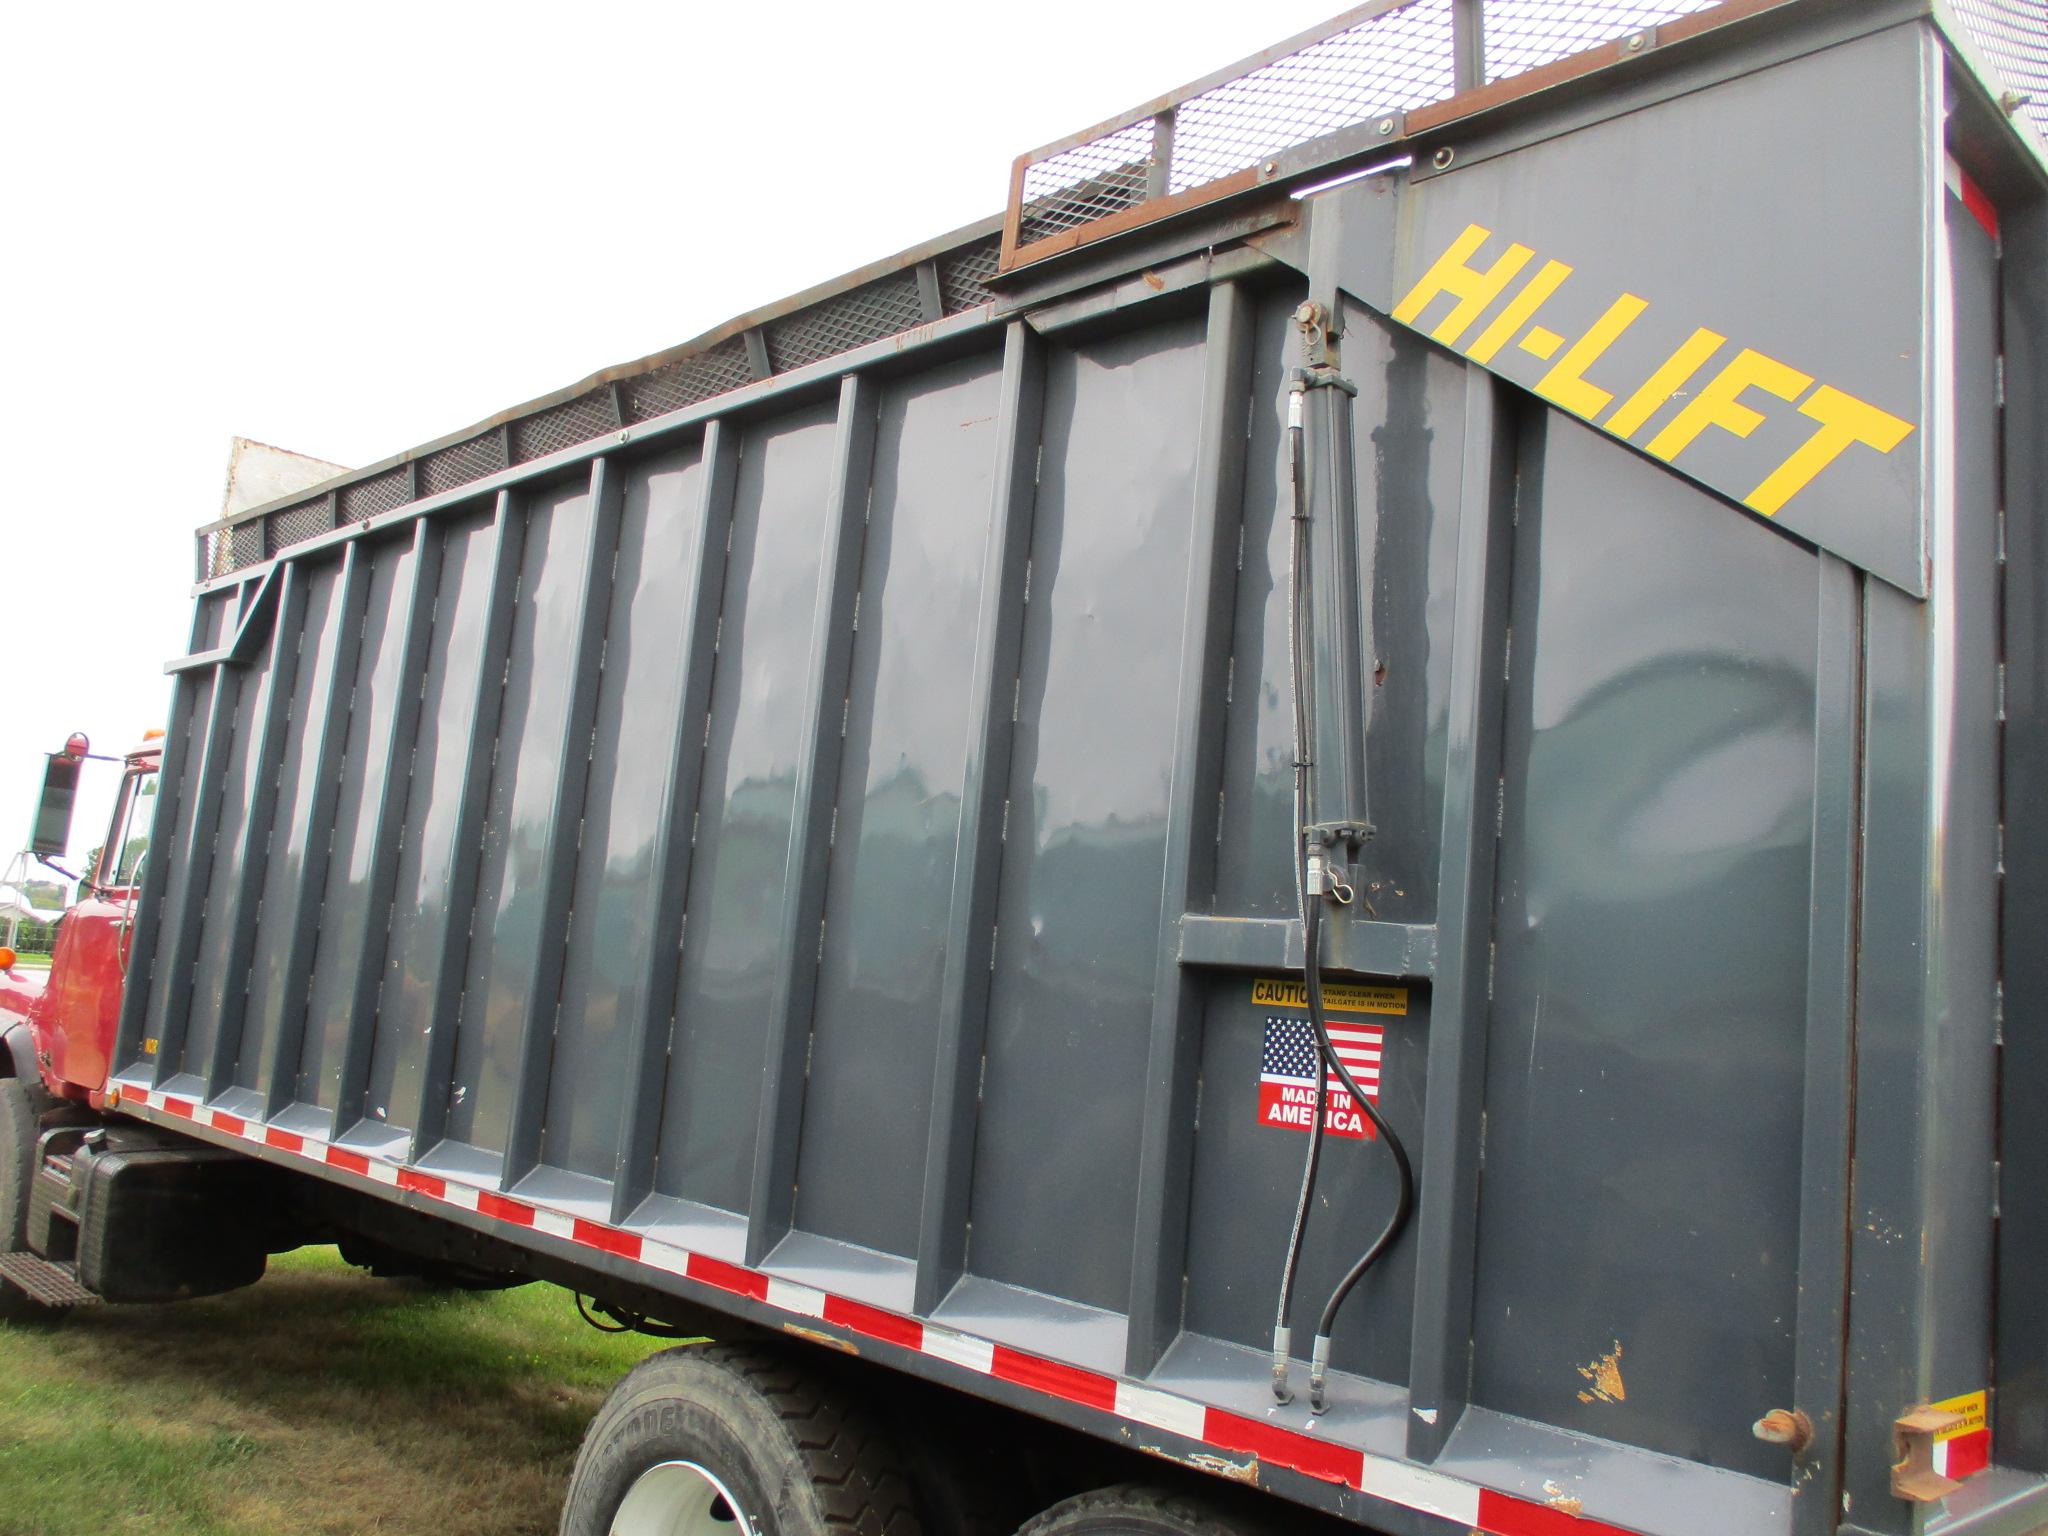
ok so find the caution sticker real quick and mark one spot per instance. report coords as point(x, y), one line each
point(1338, 997)
point(1964, 1447)
point(1288, 1057)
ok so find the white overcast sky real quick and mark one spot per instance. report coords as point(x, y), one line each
point(348, 229)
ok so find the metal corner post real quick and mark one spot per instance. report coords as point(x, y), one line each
point(1468, 44)
point(186, 735)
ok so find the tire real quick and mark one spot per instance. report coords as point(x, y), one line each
point(689, 1428)
point(1135, 1511)
point(20, 1111)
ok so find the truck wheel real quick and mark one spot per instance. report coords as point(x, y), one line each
point(19, 1110)
point(1134, 1511)
point(734, 1440)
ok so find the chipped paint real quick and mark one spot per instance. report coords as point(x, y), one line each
point(818, 1336)
point(1605, 1376)
point(1246, 1472)
point(1564, 1503)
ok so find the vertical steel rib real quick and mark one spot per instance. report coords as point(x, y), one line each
point(1818, 1355)
point(448, 945)
point(773, 1192)
point(142, 945)
point(651, 1004)
point(270, 717)
point(390, 782)
point(978, 852)
point(565, 819)
point(163, 992)
point(1446, 1219)
point(327, 729)
point(1173, 1056)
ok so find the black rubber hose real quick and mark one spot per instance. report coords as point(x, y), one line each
point(1404, 1198)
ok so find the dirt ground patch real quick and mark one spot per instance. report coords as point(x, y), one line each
point(318, 1401)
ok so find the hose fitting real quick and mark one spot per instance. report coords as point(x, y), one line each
point(1283, 1360)
point(1319, 1374)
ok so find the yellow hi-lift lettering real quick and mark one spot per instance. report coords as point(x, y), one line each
point(1844, 421)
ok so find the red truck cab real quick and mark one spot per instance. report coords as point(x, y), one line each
point(59, 1029)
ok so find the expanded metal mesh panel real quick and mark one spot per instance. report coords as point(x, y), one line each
point(1522, 35)
point(563, 426)
point(1089, 182)
point(1397, 60)
point(294, 525)
point(670, 388)
point(462, 463)
point(246, 541)
point(379, 493)
point(868, 313)
point(964, 275)
point(1391, 63)
point(2013, 36)
point(212, 554)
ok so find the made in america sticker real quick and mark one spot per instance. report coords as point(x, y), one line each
point(1287, 1060)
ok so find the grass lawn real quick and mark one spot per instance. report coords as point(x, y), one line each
point(320, 1400)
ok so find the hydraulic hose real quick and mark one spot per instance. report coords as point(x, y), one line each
point(1404, 1196)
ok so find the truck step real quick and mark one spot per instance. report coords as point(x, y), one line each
point(54, 1285)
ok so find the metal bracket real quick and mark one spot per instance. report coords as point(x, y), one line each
point(252, 628)
point(1319, 332)
point(1913, 1439)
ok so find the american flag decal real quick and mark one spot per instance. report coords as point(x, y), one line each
point(1287, 1076)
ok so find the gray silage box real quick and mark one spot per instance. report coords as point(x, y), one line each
point(839, 824)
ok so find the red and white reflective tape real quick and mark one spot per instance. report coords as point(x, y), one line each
point(1982, 209)
point(1380, 1477)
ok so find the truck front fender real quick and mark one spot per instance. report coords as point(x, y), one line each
point(19, 1059)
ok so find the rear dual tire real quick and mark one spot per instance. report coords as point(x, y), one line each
point(735, 1440)
point(1135, 1511)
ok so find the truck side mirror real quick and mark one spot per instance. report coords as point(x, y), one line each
point(60, 792)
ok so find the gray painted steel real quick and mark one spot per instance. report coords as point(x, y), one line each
point(841, 828)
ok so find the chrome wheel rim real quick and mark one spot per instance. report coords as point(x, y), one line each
point(680, 1498)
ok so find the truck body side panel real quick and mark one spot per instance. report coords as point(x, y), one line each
point(825, 848)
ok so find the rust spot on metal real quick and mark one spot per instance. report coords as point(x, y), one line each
point(1564, 1503)
point(1246, 1472)
point(816, 1336)
point(1788, 1427)
point(1605, 1376)
point(1154, 281)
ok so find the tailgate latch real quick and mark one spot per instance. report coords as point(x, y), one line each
point(1913, 1439)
